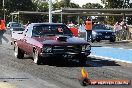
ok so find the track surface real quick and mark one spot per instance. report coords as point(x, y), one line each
point(23, 73)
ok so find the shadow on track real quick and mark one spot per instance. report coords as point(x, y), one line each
point(63, 62)
point(91, 62)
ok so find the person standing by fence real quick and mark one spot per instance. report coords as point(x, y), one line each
point(2, 31)
point(117, 29)
point(88, 26)
point(124, 30)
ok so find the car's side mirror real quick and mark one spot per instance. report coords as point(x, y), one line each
point(8, 26)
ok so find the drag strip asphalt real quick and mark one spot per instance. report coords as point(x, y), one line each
point(62, 73)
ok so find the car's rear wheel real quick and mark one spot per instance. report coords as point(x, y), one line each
point(18, 52)
point(98, 40)
point(112, 40)
point(92, 40)
point(36, 57)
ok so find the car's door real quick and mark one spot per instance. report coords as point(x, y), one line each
point(27, 41)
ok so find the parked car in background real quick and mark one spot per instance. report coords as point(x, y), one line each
point(16, 34)
point(11, 25)
point(43, 40)
point(102, 32)
point(14, 24)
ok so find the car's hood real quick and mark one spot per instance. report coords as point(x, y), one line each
point(60, 40)
point(102, 30)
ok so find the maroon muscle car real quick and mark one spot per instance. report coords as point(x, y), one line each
point(43, 40)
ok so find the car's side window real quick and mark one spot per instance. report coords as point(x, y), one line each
point(28, 34)
point(37, 30)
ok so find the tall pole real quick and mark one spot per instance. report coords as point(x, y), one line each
point(78, 19)
point(4, 8)
point(50, 10)
point(61, 18)
point(12, 17)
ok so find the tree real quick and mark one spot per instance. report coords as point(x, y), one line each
point(115, 4)
point(73, 5)
point(63, 4)
point(42, 7)
point(17, 5)
point(67, 3)
point(1, 11)
point(92, 6)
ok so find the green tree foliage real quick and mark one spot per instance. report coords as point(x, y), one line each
point(73, 5)
point(43, 7)
point(19, 5)
point(1, 11)
point(16, 5)
point(65, 4)
point(130, 18)
point(115, 4)
point(92, 6)
point(40, 7)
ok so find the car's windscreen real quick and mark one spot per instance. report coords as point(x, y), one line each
point(51, 30)
point(100, 27)
point(18, 29)
point(15, 25)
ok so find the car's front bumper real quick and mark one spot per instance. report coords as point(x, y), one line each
point(103, 37)
point(64, 54)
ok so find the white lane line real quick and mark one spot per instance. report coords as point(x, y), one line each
point(108, 58)
point(116, 48)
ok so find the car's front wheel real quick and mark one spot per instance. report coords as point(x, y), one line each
point(18, 52)
point(36, 57)
point(82, 59)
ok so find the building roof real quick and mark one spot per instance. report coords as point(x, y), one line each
point(80, 11)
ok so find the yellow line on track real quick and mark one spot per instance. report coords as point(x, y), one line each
point(7, 85)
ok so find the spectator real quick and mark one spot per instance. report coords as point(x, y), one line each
point(2, 31)
point(88, 26)
point(124, 30)
point(117, 29)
